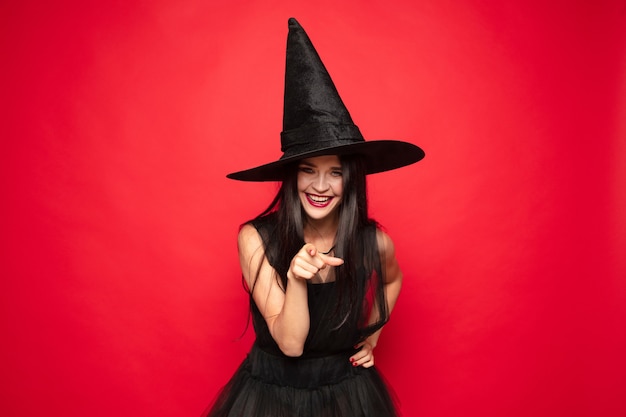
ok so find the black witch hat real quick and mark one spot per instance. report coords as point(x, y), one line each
point(316, 122)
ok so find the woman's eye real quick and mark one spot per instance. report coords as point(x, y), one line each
point(306, 170)
point(336, 173)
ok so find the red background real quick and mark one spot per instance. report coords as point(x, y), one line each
point(120, 284)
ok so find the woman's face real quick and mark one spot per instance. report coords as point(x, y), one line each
point(320, 185)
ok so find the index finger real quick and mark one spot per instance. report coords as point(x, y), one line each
point(330, 260)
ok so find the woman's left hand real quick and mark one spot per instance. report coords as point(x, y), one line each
point(365, 356)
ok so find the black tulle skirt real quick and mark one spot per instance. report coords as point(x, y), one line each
point(267, 385)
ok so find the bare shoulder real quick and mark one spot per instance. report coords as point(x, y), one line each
point(388, 257)
point(249, 239)
point(251, 252)
point(385, 243)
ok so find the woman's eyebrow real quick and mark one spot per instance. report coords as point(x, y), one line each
point(312, 165)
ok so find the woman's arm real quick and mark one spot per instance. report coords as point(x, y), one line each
point(392, 286)
point(285, 310)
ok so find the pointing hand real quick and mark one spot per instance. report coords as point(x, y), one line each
point(309, 261)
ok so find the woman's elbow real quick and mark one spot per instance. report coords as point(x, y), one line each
point(292, 349)
point(290, 341)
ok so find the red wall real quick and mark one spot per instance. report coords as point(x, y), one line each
point(120, 286)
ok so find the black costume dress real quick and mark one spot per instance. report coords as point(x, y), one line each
point(320, 383)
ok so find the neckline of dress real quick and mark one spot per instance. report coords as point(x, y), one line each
point(321, 283)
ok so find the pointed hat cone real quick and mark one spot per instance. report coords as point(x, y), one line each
point(314, 114)
point(316, 121)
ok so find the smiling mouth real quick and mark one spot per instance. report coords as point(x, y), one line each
point(319, 201)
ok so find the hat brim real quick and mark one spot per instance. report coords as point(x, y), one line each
point(379, 156)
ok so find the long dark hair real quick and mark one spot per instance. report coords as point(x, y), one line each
point(356, 243)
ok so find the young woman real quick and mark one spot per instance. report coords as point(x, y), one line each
point(322, 276)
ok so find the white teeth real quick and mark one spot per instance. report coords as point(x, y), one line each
point(318, 199)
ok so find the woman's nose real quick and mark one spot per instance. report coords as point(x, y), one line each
point(320, 184)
